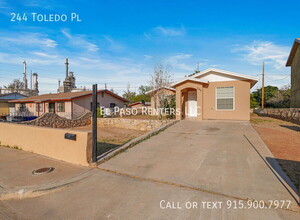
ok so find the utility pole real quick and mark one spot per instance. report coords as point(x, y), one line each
point(94, 124)
point(263, 87)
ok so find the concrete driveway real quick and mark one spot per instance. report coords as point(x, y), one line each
point(192, 170)
point(213, 156)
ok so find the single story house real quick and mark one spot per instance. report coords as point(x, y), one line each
point(214, 94)
point(294, 62)
point(159, 95)
point(69, 104)
point(140, 104)
point(6, 107)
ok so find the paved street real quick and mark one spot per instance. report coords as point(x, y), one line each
point(207, 163)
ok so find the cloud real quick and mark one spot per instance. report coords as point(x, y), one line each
point(28, 39)
point(41, 54)
point(79, 41)
point(177, 62)
point(3, 4)
point(259, 51)
point(113, 45)
point(170, 32)
point(148, 57)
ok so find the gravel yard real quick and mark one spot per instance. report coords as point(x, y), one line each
point(283, 140)
point(109, 138)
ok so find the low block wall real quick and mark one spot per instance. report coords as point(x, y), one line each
point(135, 124)
point(49, 142)
point(55, 121)
point(286, 114)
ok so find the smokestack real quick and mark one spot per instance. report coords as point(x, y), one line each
point(67, 67)
point(25, 77)
point(30, 79)
point(35, 82)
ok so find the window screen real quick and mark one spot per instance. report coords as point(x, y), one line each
point(61, 107)
point(225, 96)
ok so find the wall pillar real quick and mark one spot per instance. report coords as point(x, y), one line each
point(199, 102)
point(178, 104)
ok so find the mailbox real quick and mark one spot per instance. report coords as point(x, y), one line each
point(70, 136)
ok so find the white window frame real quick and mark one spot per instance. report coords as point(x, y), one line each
point(216, 99)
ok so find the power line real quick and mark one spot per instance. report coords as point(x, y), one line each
point(277, 79)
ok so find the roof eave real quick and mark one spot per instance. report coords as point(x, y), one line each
point(188, 79)
point(292, 53)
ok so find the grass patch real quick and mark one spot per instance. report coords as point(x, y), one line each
point(258, 120)
point(12, 147)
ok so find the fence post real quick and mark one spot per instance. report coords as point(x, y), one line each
point(94, 124)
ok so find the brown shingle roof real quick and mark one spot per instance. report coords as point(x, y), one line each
point(64, 96)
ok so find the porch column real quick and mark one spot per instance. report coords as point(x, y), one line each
point(199, 102)
point(178, 104)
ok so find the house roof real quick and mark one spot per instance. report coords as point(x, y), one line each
point(11, 96)
point(191, 78)
point(67, 96)
point(197, 76)
point(137, 103)
point(293, 51)
point(153, 90)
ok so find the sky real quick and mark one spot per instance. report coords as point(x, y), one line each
point(120, 41)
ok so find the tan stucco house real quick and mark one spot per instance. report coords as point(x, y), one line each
point(140, 104)
point(158, 95)
point(5, 107)
point(69, 104)
point(214, 94)
point(294, 62)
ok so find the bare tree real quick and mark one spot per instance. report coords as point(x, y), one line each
point(113, 91)
point(128, 94)
point(161, 78)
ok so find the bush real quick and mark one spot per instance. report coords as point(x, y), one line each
point(99, 113)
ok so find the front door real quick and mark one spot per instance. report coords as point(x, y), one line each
point(192, 103)
point(52, 107)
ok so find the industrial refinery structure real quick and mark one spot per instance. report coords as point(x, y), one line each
point(23, 87)
point(69, 84)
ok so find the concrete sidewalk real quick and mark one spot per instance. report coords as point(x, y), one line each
point(18, 181)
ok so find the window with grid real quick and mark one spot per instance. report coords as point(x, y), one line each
point(61, 107)
point(22, 107)
point(39, 107)
point(225, 98)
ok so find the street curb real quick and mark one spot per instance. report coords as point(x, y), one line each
point(110, 154)
point(34, 191)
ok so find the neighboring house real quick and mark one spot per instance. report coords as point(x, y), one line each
point(7, 108)
point(140, 104)
point(214, 94)
point(294, 62)
point(157, 97)
point(69, 104)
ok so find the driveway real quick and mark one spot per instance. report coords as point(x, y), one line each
point(213, 156)
point(207, 163)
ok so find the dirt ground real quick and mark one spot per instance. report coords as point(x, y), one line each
point(283, 140)
point(109, 138)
